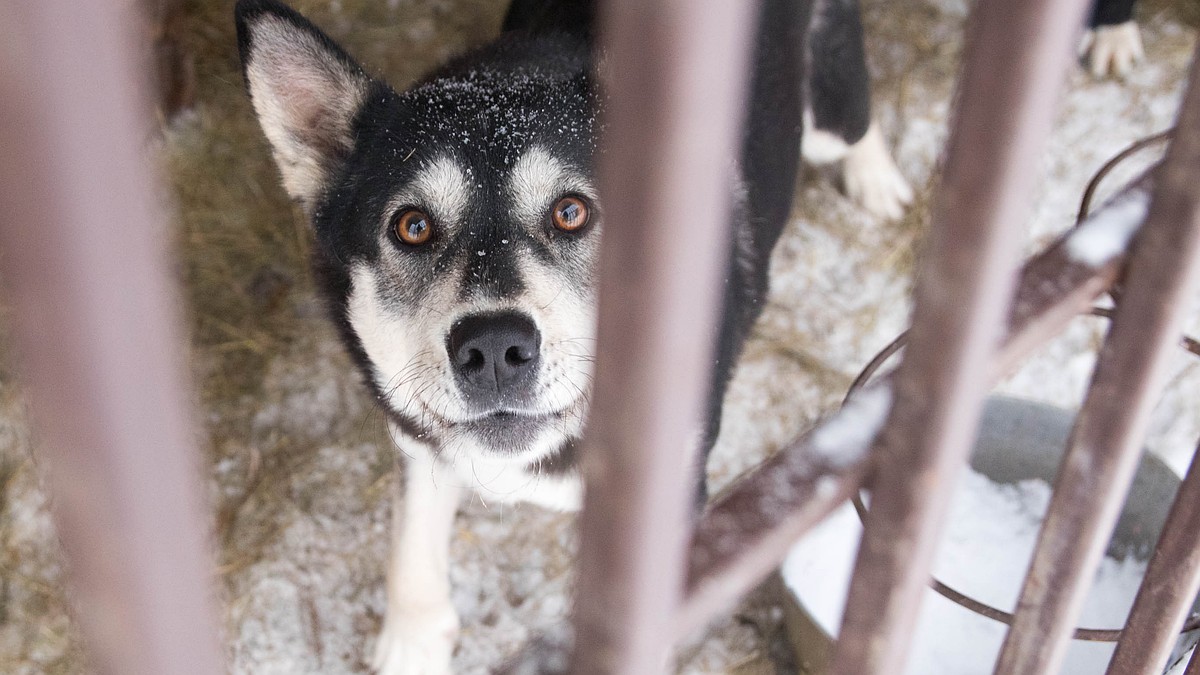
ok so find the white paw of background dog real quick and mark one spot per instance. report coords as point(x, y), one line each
point(416, 641)
point(872, 178)
point(1113, 49)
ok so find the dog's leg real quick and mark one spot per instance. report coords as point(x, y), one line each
point(1113, 49)
point(1113, 43)
point(872, 178)
point(837, 118)
point(419, 631)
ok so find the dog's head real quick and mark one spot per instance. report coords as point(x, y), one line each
point(456, 224)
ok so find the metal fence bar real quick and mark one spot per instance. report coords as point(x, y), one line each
point(1168, 589)
point(747, 531)
point(170, 64)
point(82, 249)
point(1104, 447)
point(676, 74)
point(1056, 287)
point(1017, 56)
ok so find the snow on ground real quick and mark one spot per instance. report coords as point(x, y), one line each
point(306, 483)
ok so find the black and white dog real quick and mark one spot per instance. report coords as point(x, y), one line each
point(457, 224)
point(456, 228)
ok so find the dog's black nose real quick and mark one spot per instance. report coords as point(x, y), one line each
point(495, 356)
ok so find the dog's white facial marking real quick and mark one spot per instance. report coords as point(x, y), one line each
point(305, 98)
point(565, 315)
point(409, 368)
point(537, 180)
point(442, 187)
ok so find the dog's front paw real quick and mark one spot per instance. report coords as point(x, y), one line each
point(416, 641)
point(873, 180)
point(1113, 49)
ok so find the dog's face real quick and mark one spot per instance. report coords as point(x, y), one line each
point(459, 224)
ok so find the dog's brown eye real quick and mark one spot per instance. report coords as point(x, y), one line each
point(412, 227)
point(570, 214)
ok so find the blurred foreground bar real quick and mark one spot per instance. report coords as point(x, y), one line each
point(83, 250)
point(676, 74)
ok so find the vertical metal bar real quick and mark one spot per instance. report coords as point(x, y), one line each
point(677, 72)
point(1104, 447)
point(1168, 589)
point(82, 248)
point(1017, 56)
point(170, 63)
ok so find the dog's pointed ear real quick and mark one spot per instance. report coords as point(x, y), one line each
point(306, 92)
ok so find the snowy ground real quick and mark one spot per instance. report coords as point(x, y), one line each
point(303, 485)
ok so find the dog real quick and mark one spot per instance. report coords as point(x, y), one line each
point(456, 234)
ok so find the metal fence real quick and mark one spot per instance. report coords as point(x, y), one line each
point(82, 232)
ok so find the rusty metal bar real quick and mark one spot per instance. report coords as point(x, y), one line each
point(1055, 286)
point(1017, 56)
point(170, 64)
point(83, 242)
point(676, 74)
point(1168, 589)
point(745, 534)
point(1104, 448)
point(748, 530)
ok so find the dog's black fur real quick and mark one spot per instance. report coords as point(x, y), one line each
point(1111, 13)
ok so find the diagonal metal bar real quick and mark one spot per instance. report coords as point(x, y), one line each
point(84, 244)
point(1102, 454)
point(1057, 285)
point(676, 74)
point(747, 531)
point(1017, 56)
point(1168, 589)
